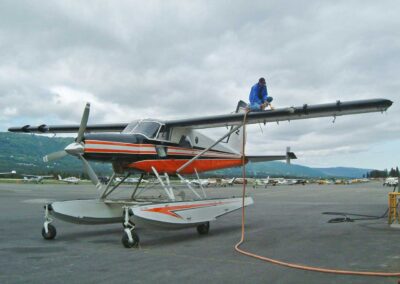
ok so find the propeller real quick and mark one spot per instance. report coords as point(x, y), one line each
point(82, 126)
point(77, 149)
point(92, 175)
point(54, 156)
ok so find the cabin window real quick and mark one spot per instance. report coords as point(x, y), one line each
point(163, 133)
point(185, 142)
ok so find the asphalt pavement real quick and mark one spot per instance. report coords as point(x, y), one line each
point(286, 223)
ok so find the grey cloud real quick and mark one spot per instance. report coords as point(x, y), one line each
point(181, 59)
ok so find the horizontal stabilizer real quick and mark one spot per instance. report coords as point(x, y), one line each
point(257, 159)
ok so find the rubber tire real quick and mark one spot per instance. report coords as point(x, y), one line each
point(203, 229)
point(51, 234)
point(125, 240)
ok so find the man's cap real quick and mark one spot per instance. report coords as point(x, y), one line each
point(261, 81)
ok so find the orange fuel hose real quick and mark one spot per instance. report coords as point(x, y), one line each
point(283, 263)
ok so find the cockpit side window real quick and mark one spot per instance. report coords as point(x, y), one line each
point(131, 126)
point(149, 129)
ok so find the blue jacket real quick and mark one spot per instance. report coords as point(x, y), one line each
point(258, 96)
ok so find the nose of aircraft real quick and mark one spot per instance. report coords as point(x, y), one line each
point(75, 149)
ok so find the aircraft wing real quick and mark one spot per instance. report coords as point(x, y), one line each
point(282, 114)
point(9, 173)
point(116, 127)
point(34, 176)
point(279, 114)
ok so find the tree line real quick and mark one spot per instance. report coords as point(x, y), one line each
point(393, 172)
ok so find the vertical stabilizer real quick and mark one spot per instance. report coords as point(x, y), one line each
point(287, 155)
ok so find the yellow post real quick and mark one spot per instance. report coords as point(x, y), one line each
point(393, 213)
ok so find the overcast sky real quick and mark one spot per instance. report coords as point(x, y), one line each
point(178, 59)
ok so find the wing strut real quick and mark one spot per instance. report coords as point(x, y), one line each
point(137, 186)
point(189, 186)
point(201, 186)
point(108, 191)
point(207, 149)
point(167, 187)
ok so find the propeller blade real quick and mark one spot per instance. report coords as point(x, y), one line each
point(54, 156)
point(83, 124)
point(91, 173)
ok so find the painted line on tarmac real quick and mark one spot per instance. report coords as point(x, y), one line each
point(37, 201)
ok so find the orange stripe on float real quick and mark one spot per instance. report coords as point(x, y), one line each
point(169, 210)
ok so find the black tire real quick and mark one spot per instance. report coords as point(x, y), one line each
point(51, 232)
point(125, 240)
point(203, 229)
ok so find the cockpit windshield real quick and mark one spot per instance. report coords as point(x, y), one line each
point(148, 128)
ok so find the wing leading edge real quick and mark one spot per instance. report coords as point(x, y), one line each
point(117, 127)
point(283, 114)
point(280, 114)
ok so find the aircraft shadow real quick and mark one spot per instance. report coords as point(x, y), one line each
point(169, 237)
point(148, 236)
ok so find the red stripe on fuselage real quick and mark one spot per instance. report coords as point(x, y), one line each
point(170, 166)
point(90, 150)
point(98, 142)
point(152, 146)
point(212, 160)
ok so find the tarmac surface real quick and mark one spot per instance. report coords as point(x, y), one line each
point(286, 223)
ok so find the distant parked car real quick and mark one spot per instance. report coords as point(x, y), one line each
point(391, 181)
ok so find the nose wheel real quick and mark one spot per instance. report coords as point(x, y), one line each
point(130, 238)
point(49, 232)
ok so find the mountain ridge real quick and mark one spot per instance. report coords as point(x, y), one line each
point(24, 153)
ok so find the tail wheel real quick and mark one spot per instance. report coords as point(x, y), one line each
point(203, 229)
point(51, 232)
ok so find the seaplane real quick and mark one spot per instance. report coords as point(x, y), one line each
point(227, 182)
point(34, 178)
point(71, 180)
point(131, 180)
point(9, 173)
point(197, 182)
point(163, 148)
